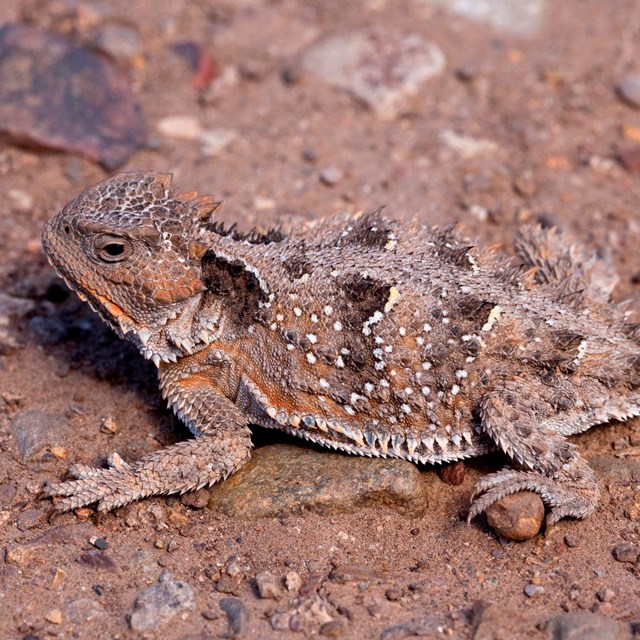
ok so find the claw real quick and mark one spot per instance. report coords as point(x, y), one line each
point(562, 501)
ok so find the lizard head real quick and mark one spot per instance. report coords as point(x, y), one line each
point(132, 249)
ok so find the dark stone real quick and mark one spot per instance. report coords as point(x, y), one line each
point(626, 552)
point(237, 615)
point(56, 95)
point(97, 560)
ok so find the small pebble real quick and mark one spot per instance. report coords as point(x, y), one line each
point(184, 127)
point(237, 614)
point(215, 141)
point(309, 155)
point(467, 72)
point(20, 200)
point(261, 203)
point(626, 552)
point(155, 606)
point(290, 76)
point(172, 546)
point(603, 608)
point(267, 586)
point(54, 616)
point(532, 590)
point(393, 594)
point(571, 540)
point(606, 595)
point(518, 516)
point(82, 513)
point(109, 425)
point(453, 473)
point(195, 499)
point(60, 576)
point(525, 184)
point(584, 625)
point(253, 70)
point(628, 90)
point(59, 452)
point(331, 629)
point(233, 569)
point(177, 518)
point(99, 543)
point(331, 176)
point(631, 133)
point(630, 160)
point(121, 42)
point(293, 581)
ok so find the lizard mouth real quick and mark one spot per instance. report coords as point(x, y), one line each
point(108, 310)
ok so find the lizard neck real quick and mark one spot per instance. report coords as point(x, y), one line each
point(199, 323)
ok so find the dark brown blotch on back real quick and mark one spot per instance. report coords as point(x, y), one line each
point(370, 230)
point(365, 296)
point(230, 280)
point(297, 265)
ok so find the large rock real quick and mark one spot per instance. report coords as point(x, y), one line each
point(284, 480)
point(56, 95)
point(382, 70)
point(584, 625)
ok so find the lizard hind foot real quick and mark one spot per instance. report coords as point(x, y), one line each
point(568, 496)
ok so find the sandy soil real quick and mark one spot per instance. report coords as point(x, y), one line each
point(547, 104)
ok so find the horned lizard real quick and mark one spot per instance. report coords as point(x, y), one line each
point(364, 334)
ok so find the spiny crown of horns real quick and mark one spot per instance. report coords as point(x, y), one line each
point(139, 196)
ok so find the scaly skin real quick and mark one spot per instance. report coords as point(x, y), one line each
point(363, 334)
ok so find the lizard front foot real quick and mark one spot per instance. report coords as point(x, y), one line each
point(570, 495)
point(110, 487)
point(182, 467)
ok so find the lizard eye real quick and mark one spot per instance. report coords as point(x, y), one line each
point(112, 248)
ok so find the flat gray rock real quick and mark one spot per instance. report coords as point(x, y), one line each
point(155, 606)
point(382, 70)
point(284, 480)
point(34, 431)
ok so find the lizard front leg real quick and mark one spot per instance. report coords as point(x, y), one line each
point(546, 463)
point(221, 446)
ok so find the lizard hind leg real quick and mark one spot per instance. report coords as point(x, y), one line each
point(545, 462)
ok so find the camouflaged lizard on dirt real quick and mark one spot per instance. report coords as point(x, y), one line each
point(364, 334)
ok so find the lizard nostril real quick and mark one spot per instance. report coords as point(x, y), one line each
point(67, 229)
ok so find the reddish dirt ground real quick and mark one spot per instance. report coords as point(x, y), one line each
point(548, 103)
